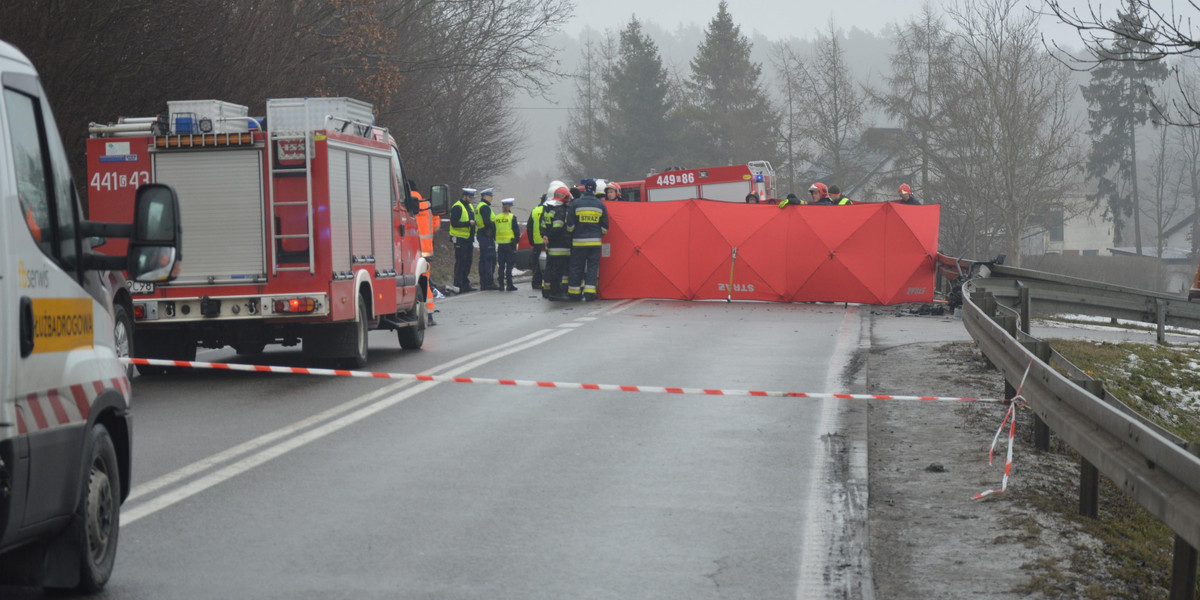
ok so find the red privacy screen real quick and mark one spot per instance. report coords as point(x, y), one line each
point(866, 253)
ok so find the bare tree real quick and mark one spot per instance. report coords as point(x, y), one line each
point(1189, 157)
point(918, 95)
point(1166, 180)
point(582, 141)
point(440, 74)
point(790, 129)
point(1009, 143)
point(1168, 32)
point(834, 105)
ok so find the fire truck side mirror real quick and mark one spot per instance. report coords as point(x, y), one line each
point(156, 241)
point(439, 199)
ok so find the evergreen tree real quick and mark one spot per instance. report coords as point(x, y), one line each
point(639, 119)
point(1120, 100)
point(731, 116)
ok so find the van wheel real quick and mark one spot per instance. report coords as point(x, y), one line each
point(97, 518)
point(361, 327)
point(412, 337)
point(123, 336)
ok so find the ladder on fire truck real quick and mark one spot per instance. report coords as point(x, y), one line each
point(275, 138)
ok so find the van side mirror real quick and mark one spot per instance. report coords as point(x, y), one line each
point(439, 199)
point(156, 242)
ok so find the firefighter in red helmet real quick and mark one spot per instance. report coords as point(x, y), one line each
point(819, 194)
point(906, 195)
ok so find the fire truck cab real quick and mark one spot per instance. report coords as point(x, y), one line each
point(301, 227)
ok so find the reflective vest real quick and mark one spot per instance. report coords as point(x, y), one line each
point(462, 228)
point(535, 226)
point(484, 226)
point(425, 228)
point(504, 226)
point(845, 201)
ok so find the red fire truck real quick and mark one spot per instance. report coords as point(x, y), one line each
point(300, 227)
point(726, 184)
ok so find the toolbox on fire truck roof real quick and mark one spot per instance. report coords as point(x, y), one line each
point(308, 114)
point(207, 116)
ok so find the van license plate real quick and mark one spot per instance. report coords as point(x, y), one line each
point(140, 287)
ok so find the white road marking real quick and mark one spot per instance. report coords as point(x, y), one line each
point(294, 441)
point(818, 537)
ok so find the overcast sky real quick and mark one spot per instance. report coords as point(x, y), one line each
point(775, 19)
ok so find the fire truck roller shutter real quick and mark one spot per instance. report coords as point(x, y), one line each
point(381, 211)
point(684, 192)
point(732, 191)
point(360, 205)
point(221, 198)
point(339, 212)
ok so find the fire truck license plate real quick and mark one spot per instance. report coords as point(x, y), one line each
point(139, 287)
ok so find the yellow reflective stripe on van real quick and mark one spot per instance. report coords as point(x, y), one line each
point(61, 324)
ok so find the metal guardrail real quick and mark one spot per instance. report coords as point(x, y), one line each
point(1060, 293)
point(1150, 465)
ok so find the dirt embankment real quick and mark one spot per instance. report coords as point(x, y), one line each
point(929, 538)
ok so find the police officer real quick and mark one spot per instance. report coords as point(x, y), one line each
point(485, 234)
point(533, 231)
point(587, 220)
point(462, 231)
point(507, 232)
point(557, 241)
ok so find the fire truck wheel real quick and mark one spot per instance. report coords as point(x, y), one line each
point(412, 337)
point(361, 326)
point(123, 336)
point(97, 517)
point(168, 348)
point(249, 348)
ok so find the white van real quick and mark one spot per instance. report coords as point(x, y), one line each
point(64, 395)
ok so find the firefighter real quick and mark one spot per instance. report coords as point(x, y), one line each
point(820, 194)
point(507, 233)
point(906, 195)
point(557, 242)
point(533, 231)
point(612, 191)
point(791, 200)
point(427, 223)
point(485, 234)
point(462, 229)
point(587, 220)
point(835, 195)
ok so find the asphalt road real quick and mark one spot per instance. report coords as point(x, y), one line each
point(285, 486)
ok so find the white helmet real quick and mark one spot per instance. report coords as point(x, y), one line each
point(554, 185)
point(600, 185)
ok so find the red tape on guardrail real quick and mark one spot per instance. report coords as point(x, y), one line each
point(1010, 419)
point(604, 387)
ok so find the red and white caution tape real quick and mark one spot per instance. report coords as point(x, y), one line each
point(1010, 419)
point(604, 387)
